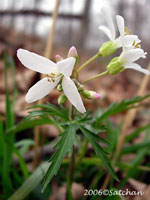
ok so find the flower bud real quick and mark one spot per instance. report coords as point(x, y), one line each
point(59, 88)
point(115, 66)
point(79, 85)
point(62, 99)
point(90, 94)
point(58, 58)
point(107, 48)
point(73, 53)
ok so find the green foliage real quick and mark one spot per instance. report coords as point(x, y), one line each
point(100, 152)
point(64, 146)
point(54, 110)
point(29, 123)
point(115, 108)
point(31, 183)
point(85, 125)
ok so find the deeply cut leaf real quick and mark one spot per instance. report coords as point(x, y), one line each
point(64, 146)
point(100, 152)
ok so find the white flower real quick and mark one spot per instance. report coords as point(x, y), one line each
point(129, 56)
point(56, 72)
point(109, 30)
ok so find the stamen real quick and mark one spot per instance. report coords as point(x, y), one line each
point(51, 77)
point(136, 45)
point(127, 31)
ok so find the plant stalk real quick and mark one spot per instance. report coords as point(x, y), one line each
point(95, 76)
point(87, 62)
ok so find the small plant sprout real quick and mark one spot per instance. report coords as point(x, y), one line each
point(55, 73)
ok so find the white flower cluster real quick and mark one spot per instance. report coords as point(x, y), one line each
point(61, 71)
point(130, 44)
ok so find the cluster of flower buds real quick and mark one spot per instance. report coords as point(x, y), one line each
point(87, 94)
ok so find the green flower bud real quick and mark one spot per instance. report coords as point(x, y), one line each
point(59, 88)
point(79, 85)
point(115, 66)
point(90, 94)
point(62, 99)
point(107, 48)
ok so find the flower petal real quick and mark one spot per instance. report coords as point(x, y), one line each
point(36, 62)
point(132, 55)
point(40, 90)
point(108, 18)
point(105, 30)
point(137, 67)
point(128, 40)
point(65, 66)
point(72, 94)
point(120, 24)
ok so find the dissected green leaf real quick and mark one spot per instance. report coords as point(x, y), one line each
point(29, 123)
point(54, 110)
point(100, 152)
point(64, 145)
point(119, 107)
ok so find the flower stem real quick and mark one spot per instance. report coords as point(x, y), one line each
point(87, 62)
point(82, 152)
point(71, 167)
point(95, 76)
point(72, 159)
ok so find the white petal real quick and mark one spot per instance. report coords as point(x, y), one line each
point(72, 94)
point(137, 67)
point(108, 18)
point(36, 62)
point(105, 30)
point(128, 40)
point(118, 42)
point(40, 90)
point(132, 55)
point(65, 66)
point(120, 24)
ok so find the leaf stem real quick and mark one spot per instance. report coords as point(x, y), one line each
point(95, 76)
point(87, 62)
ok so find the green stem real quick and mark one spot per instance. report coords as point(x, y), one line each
point(83, 152)
point(87, 62)
point(72, 159)
point(95, 76)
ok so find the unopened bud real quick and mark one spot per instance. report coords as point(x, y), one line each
point(59, 88)
point(90, 94)
point(73, 53)
point(62, 99)
point(58, 58)
point(115, 66)
point(79, 85)
point(107, 48)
